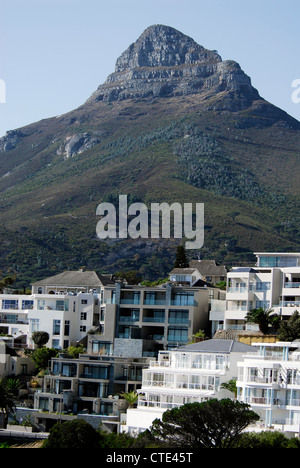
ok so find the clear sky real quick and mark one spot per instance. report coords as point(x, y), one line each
point(55, 53)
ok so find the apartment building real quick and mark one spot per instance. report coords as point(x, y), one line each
point(269, 381)
point(273, 283)
point(162, 317)
point(92, 384)
point(188, 374)
point(66, 306)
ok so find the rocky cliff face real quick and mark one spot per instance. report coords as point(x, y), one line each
point(163, 62)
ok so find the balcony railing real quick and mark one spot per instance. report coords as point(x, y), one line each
point(289, 303)
point(237, 290)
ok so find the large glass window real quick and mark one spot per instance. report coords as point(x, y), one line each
point(102, 347)
point(178, 316)
point(95, 372)
point(56, 327)
point(178, 334)
point(183, 298)
point(272, 262)
point(262, 304)
point(10, 304)
point(62, 305)
point(27, 304)
point(34, 325)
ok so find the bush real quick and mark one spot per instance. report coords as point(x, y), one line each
point(73, 434)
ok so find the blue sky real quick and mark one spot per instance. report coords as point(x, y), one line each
point(55, 53)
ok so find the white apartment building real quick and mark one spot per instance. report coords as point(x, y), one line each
point(66, 306)
point(192, 373)
point(66, 318)
point(269, 381)
point(273, 283)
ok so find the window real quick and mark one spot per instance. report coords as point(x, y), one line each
point(178, 316)
point(56, 327)
point(95, 372)
point(27, 304)
point(178, 334)
point(84, 301)
point(262, 304)
point(183, 298)
point(55, 344)
point(9, 304)
point(263, 286)
point(102, 347)
point(41, 304)
point(278, 262)
point(34, 325)
point(83, 316)
point(82, 328)
point(67, 328)
point(62, 305)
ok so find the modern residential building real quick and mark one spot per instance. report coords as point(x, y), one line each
point(273, 283)
point(66, 318)
point(66, 306)
point(269, 381)
point(162, 317)
point(92, 385)
point(192, 373)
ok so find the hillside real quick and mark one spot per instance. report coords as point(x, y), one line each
point(173, 123)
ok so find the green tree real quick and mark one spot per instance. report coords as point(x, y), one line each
point(42, 356)
point(181, 260)
point(8, 281)
point(40, 338)
point(266, 439)
point(290, 330)
point(211, 424)
point(74, 351)
point(73, 434)
point(7, 399)
point(13, 385)
point(131, 276)
point(263, 318)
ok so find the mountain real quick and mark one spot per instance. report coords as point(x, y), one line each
point(173, 122)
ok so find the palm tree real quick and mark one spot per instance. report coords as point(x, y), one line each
point(7, 403)
point(130, 397)
point(230, 386)
point(263, 318)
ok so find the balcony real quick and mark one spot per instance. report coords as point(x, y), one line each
point(154, 302)
point(290, 284)
point(133, 300)
point(289, 303)
point(154, 318)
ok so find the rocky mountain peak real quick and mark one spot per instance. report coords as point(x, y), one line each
point(163, 46)
point(164, 62)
